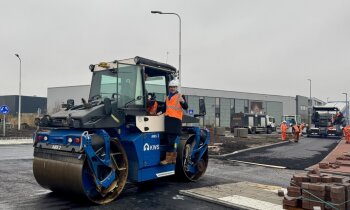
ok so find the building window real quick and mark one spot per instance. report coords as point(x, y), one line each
point(217, 112)
point(246, 106)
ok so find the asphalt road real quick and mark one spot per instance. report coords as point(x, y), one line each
point(19, 190)
point(307, 152)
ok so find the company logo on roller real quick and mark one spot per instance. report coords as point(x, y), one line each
point(148, 147)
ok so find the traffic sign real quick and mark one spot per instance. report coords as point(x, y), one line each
point(190, 111)
point(4, 109)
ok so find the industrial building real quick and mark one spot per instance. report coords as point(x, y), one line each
point(30, 104)
point(220, 104)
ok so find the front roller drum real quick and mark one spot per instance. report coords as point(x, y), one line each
point(70, 173)
point(183, 162)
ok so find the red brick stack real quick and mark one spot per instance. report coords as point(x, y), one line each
point(309, 190)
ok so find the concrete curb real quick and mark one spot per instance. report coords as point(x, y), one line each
point(248, 149)
point(213, 200)
point(16, 141)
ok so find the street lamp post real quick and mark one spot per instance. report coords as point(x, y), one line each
point(346, 107)
point(172, 13)
point(310, 105)
point(19, 96)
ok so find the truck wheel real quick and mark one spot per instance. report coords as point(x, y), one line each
point(253, 131)
point(269, 131)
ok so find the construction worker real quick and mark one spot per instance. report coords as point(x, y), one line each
point(284, 129)
point(152, 104)
point(302, 126)
point(346, 131)
point(296, 131)
point(174, 104)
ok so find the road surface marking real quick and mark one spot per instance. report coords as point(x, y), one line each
point(258, 164)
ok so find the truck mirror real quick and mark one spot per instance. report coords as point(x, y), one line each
point(70, 103)
point(107, 106)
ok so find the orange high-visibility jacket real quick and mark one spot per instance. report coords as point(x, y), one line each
point(153, 109)
point(296, 128)
point(283, 128)
point(346, 130)
point(173, 107)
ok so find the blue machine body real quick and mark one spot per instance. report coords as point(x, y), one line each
point(144, 150)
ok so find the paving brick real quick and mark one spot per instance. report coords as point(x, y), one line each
point(338, 195)
point(346, 185)
point(328, 187)
point(339, 206)
point(326, 179)
point(317, 187)
point(305, 185)
point(293, 189)
point(294, 194)
point(293, 202)
point(294, 183)
point(312, 194)
point(338, 179)
point(323, 165)
point(302, 177)
point(306, 204)
point(337, 189)
point(314, 178)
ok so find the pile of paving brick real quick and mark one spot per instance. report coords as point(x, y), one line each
point(318, 191)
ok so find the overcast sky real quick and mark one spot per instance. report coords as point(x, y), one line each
point(269, 46)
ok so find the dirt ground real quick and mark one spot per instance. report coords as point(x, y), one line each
point(227, 144)
point(13, 132)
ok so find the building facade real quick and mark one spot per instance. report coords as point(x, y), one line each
point(220, 104)
point(30, 104)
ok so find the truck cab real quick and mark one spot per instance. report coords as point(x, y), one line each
point(291, 120)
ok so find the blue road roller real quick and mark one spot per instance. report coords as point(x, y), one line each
point(93, 148)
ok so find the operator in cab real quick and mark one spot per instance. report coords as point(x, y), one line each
point(174, 104)
point(151, 102)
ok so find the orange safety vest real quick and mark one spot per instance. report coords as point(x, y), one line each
point(283, 128)
point(153, 109)
point(173, 107)
point(296, 128)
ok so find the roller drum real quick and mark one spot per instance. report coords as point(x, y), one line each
point(70, 173)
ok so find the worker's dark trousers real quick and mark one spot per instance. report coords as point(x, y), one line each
point(296, 136)
point(172, 142)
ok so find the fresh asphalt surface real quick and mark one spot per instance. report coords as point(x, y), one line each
point(19, 190)
point(308, 152)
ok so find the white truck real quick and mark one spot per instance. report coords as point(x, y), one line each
point(256, 123)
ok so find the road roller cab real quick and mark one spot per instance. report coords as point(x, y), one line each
point(92, 149)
